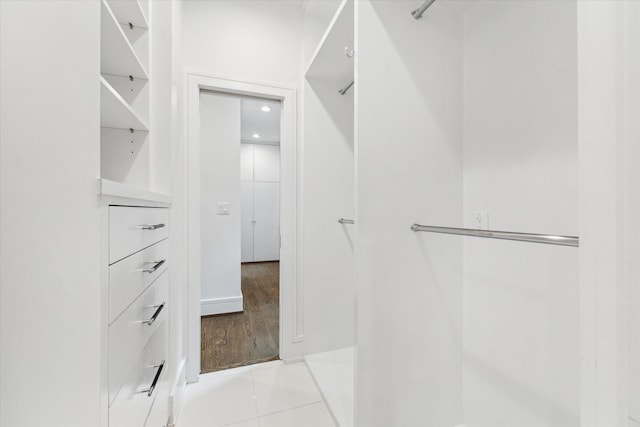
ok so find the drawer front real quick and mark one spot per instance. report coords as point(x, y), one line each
point(129, 333)
point(132, 275)
point(132, 406)
point(132, 229)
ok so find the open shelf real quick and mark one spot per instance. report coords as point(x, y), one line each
point(329, 62)
point(116, 189)
point(115, 112)
point(117, 56)
point(128, 12)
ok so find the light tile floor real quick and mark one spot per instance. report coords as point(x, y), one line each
point(269, 394)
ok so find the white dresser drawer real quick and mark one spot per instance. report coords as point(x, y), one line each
point(134, 228)
point(134, 401)
point(129, 333)
point(130, 276)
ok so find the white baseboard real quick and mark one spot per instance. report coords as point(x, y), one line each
point(220, 305)
point(177, 393)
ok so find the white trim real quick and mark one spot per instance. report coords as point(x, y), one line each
point(213, 306)
point(176, 396)
point(291, 327)
point(254, 142)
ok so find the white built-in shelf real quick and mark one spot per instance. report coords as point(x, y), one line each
point(107, 188)
point(128, 12)
point(115, 112)
point(329, 62)
point(117, 56)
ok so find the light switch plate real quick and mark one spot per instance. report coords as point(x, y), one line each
point(223, 208)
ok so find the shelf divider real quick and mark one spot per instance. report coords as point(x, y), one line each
point(128, 12)
point(115, 112)
point(117, 56)
point(330, 62)
point(108, 188)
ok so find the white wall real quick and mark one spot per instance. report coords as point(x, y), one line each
point(50, 294)
point(521, 300)
point(632, 154)
point(220, 182)
point(246, 40)
point(408, 169)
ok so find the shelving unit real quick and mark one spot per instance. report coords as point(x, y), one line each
point(131, 160)
point(125, 92)
point(108, 188)
point(115, 112)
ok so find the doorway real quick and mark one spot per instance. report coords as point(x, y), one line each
point(240, 230)
point(288, 291)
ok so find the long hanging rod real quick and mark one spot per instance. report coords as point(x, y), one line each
point(417, 14)
point(504, 235)
point(346, 221)
point(346, 88)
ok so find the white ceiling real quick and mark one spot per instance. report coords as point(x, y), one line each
point(254, 120)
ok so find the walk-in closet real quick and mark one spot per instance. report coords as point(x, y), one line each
point(440, 226)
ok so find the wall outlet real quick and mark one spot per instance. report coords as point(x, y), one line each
point(481, 220)
point(223, 208)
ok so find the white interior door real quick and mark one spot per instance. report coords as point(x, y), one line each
point(266, 211)
point(246, 162)
point(266, 163)
point(260, 176)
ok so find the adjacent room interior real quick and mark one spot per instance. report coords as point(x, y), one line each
point(240, 228)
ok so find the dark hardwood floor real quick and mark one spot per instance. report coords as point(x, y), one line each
point(238, 339)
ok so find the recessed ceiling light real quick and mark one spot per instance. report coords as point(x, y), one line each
point(266, 108)
point(256, 135)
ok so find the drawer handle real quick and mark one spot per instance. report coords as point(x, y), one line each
point(149, 390)
point(155, 315)
point(151, 226)
point(157, 265)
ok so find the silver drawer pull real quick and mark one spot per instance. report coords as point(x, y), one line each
point(155, 315)
point(149, 390)
point(157, 265)
point(151, 226)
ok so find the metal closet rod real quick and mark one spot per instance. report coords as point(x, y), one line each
point(417, 14)
point(346, 221)
point(504, 235)
point(346, 88)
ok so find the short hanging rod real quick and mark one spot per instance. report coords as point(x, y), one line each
point(417, 14)
point(346, 221)
point(346, 88)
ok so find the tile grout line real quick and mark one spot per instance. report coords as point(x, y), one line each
point(260, 416)
point(255, 397)
point(291, 409)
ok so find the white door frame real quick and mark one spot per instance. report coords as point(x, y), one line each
point(291, 303)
